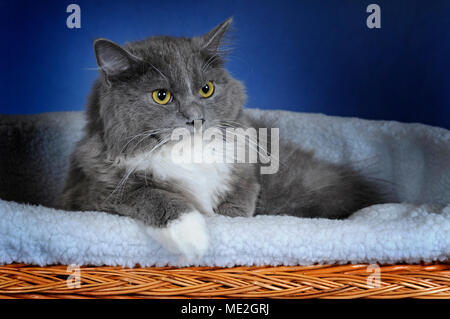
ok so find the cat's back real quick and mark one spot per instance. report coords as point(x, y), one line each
point(305, 186)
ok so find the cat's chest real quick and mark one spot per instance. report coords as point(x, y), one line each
point(205, 183)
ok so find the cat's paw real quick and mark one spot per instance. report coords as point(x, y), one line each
point(186, 236)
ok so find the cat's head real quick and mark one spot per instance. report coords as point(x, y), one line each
point(163, 83)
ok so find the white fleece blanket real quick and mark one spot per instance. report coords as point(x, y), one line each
point(413, 159)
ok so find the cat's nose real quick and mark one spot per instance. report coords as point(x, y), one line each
point(192, 113)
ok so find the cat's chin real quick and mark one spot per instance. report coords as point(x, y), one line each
point(186, 236)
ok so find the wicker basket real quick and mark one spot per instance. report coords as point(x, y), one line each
point(317, 281)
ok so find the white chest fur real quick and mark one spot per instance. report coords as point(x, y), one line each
point(204, 182)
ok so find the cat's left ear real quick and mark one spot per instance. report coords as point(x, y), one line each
point(213, 39)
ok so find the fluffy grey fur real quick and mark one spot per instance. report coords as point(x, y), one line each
point(124, 121)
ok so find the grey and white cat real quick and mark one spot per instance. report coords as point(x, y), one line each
point(123, 164)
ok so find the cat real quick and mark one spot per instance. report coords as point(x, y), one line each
point(124, 164)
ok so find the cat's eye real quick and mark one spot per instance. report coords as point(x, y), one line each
point(207, 90)
point(162, 96)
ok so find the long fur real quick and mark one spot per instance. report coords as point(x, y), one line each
point(122, 164)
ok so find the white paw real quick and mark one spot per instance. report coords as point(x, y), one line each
point(186, 236)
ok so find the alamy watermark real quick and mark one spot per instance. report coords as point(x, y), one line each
point(374, 19)
point(74, 279)
point(374, 279)
point(232, 145)
point(73, 21)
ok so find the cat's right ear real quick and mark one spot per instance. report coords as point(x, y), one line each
point(112, 59)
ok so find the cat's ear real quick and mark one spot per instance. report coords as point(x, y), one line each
point(213, 39)
point(112, 59)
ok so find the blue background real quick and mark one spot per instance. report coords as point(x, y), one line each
point(309, 56)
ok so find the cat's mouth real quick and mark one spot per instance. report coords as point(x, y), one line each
point(166, 135)
point(197, 125)
point(196, 122)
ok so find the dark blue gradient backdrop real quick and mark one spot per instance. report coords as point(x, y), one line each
point(308, 56)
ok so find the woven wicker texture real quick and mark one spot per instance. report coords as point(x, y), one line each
point(318, 281)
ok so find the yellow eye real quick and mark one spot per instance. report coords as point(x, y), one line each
point(162, 96)
point(207, 90)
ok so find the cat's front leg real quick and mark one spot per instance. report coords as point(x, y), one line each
point(170, 220)
point(186, 235)
point(241, 202)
